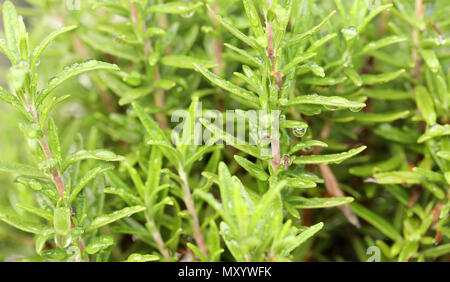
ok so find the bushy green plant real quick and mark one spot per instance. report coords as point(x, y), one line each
point(345, 106)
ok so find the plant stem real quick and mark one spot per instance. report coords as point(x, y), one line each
point(157, 237)
point(159, 95)
point(191, 209)
point(161, 118)
point(275, 139)
point(270, 51)
point(276, 151)
point(416, 42)
point(217, 42)
point(56, 175)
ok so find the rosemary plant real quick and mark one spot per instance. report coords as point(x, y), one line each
point(218, 130)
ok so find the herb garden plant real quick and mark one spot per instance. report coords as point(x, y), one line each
point(218, 130)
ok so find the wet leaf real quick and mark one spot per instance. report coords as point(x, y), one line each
point(238, 34)
point(61, 221)
point(89, 176)
point(354, 76)
point(186, 62)
point(231, 140)
point(380, 117)
point(431, 60)
point(297, 60)
point(99, 243)
point(397, 177)
point(307, 144)
point(436, 130)
point(175, 7)
point(371, 79)
point(382, 43)
point(308, 33)
point(37, 211)
point(426, 106)
point(444, 154)
point(73, 70)
point(253, 17)
point(333, 101)
point(11, 28)
point(112, 217)
point(252, 168)
point(328, 159)
point(324, 81)
point(226, 85)
point(21, 169)
point(369, 170)
point(49, 39)
point(308, 233)
point(99, 154)
point(20, 223)
point(141, 258)
point(436, 251)
point(319, 203)
point(380, 223)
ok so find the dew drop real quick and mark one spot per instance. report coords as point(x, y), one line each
point(330, 108)
point(441, 40)
point(347, 61)
point(105, 155)
point(63, 241)
point(355, 109)
point(188, 14)
point(299, 132)
point(349, 33)
point(262, 41)
point(90, 63)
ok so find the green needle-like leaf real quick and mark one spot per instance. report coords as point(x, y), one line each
point(328, 159)
point(74, 70)
point(112, 217)
point(381, 224)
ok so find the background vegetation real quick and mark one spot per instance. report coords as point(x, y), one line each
point(359, 169)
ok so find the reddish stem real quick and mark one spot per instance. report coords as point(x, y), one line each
point(218, 49)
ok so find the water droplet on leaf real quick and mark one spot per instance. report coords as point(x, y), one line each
point(299, 132)
point(349, 33)
point(355, 109)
